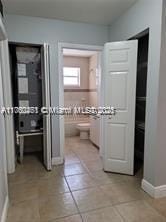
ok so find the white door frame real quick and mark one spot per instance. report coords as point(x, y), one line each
point(61, 46)
point(3, 37)
point(10, 147)
point(9, 121)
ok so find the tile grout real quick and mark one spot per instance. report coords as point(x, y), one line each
point(74, 199)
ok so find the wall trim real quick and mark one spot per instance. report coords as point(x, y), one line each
point(155, 192)
point(5, 210)
point(57, 161)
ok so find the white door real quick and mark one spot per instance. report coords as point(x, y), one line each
point(119, 85)
point(46, 103)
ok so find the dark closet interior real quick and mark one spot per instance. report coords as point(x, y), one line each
point(26, 71)
point(142, 68)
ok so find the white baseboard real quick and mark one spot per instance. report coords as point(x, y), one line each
point(155, 192)
point(5, 210)
point(57, 161)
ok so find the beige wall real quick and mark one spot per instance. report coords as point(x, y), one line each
point(93, 95)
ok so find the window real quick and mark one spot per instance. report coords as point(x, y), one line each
point(71, 76)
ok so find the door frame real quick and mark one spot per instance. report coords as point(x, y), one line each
point(10, 150)
point(3, 38)
point(10, 156)
point(61, 46)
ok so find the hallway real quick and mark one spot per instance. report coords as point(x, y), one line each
point(79, 191)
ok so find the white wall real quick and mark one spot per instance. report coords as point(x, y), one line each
point(161, 125)
point(39, 30)
point(148, 14)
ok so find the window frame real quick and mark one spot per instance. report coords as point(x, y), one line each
point(78, 76)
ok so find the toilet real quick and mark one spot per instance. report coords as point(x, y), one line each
point(84, 129)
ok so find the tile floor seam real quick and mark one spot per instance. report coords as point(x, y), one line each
point(74, 200)
point(125, 220)
point(99, 180)
point(121, 215)
point(53, 220)
point(100, 208)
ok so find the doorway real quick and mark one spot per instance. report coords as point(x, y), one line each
point(69, 124)
point(30, 92)
point(81, 87)
point(141, 86)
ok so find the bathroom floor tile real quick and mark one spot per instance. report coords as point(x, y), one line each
point(91, 199)
point(78, 182)
point(137, 211)
point(57, 206)
point(109, 214)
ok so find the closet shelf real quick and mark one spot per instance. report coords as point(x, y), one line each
point(141, 98)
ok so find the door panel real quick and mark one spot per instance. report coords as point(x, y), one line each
point(120, 61)
point(118, 89)
point(117, 146)
point(46, 103)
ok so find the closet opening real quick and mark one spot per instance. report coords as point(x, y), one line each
point(141, 98)
point(28, 75)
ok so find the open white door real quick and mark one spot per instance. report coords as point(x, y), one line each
point(46, 103)
point(119, 85)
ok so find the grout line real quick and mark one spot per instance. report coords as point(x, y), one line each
point(74, 199)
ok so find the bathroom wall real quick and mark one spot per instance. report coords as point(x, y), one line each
point(93, 80)
point(76, 96)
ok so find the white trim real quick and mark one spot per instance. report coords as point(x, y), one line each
point(61, 86)
point(5, 210)
point(3, 34)
point(9, 122)
point(155, 192)
point(57, 161)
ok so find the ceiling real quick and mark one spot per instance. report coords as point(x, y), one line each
point(78, 53)
point(102, 12)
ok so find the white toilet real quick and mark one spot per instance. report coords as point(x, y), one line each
point(84, 129)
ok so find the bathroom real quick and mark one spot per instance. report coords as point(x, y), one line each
point(81, 89)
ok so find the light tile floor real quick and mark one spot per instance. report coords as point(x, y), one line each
point(79, 191)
